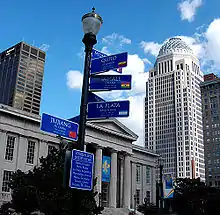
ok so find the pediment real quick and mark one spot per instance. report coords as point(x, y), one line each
point(113, 125)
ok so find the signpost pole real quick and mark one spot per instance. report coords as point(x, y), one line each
point(89, 40)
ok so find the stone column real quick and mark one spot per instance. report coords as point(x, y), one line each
point(85, 146)
point(133, 182)
point(3, 142)
point(127, 181)
point(113, 181)
point(98, 170)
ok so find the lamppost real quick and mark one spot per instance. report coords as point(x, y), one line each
point(91, 25)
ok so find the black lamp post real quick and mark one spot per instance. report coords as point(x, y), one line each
point(91, 25)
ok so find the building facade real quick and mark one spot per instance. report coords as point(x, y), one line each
point(132, 168)
point(173, 111)
point(210, 89)
point(21, 76)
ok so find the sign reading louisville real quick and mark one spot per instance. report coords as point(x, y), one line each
point(110, 82)
point(81, 173)
point(108, 109)
point(109, 63)
point(58, 126)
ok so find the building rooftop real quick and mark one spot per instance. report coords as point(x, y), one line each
point(174, 45)
point(210, 79)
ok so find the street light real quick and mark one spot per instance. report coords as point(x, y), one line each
point(91, 25)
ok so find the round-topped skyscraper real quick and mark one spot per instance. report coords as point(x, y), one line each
point(173, 110)
point(175, 45)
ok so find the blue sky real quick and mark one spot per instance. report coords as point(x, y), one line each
point(138, 27)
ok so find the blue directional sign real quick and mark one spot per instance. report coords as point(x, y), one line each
point(108, 109)
point(62, 127)
point(98, 54)
point(92, 97)
point(110, 82)
point(81, 173)
point(108, 63)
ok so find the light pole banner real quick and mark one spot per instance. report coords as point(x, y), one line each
point(106, 168)
point(168, 186)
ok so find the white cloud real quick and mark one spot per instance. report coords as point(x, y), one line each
point(195, 44)
point(105, 50)
point(74, 79)
point(145, 60)
point(205, 44)
point(136, 68)
point(188, 9)
point(44, 47)
point(213, 41)
point(116, 38)
point(135, 121)
point(150, 47)
point(81, 53)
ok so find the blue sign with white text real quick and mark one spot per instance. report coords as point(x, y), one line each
point(81, 173)
point(98, 54)
point(62, 127)
point(109, 63)
point(110, 82)
point(106, 168)
point(108, 109)
point(92, 97)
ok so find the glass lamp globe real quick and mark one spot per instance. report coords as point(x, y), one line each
point(91, 23)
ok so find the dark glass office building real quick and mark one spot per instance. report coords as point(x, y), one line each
point(21, 76)
point(210, 89)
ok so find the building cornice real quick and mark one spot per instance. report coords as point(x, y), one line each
point(144, 150)
point(90, 124)
point(131, 135)
point(21, 114)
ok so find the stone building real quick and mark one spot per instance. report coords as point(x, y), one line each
point(173, 111)
point(211, 128)
point(132, 167)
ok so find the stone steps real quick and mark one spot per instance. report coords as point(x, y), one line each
point(117, 211)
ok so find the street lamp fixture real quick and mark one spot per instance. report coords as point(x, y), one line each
point(91, 26)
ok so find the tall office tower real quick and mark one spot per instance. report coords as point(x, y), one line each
point(173, 119)
point(211, 128)
point(21, 75)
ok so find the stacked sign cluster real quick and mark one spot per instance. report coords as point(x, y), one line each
point(81, 174)
point(102, 63)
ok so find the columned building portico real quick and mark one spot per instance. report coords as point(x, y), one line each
point(127, 181)
point(98, 169)
point(114, 157)
point(113, 182)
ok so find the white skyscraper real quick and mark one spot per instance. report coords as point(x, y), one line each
point(173, 111)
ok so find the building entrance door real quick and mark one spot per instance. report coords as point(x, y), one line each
point(105, 194)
